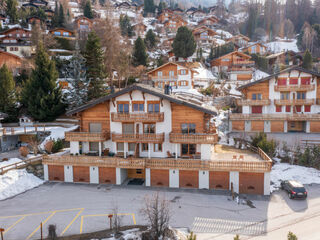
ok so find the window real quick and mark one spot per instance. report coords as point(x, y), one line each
point(288, 108)
point(225, 60)
point(188, 128)
point(154, 107)
point(149, 128)
point(132, 147)
point(298, 108)
point(256, 96)
point(171, 73)
point(123, 107)
point(305, 80)
point(159, 74)
point(127, 128)
point(144, 147)
point(120, 147)
point(293, 81)
point(138, 107)
point(253, 49)
point(183, 72)
point(285, 95)
point(158, 147)
point(282, 81)
point(307, 108)
point(256, 109)
point(278, 108)
point(66, 34)
point(301, 95)
point(57, 33)
point(188, 149)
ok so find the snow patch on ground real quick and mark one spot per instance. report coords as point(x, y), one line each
point(282, 45)
point(17, 181)
point(9, 162)
point(57, 133)
point(258, 74)
point(285, 171)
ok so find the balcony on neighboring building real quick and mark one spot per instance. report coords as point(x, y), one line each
point(276, 116)
point(137, 117)
point(243, 63)
point(164, 78)
point(251, 102)
point(309, 87)
point(294, 101)
point(196, 138)
point(138, 137)
point(87, 136)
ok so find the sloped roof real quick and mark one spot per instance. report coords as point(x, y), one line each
point(178, 64)
point(3, 115)
point(146, 89)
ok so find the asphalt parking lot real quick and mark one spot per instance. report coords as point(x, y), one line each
point(81, 208)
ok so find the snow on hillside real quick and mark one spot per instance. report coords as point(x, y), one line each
point(282, 45)
point(203, 73)
point(57, 133)
point(258, 74)
point(224, 34)
point(17, 181)
point(285, 171)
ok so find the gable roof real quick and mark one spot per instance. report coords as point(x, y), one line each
point(10, 55)
point(241, 36)
point(177, 64)
point(297, 68)
point(13, 29)
point(146, 89)
point(234, 52)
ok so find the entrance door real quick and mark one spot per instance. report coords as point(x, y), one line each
point(296, 126)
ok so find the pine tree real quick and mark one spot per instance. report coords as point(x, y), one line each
point(148, 6)
point(125, 26)
point(307, 60)
point(211, 54)
point(61, 19)
point(75, 72)
point(7, 93)
point(162, 5)
point(87, 11)
point(41, 95)
point(95, 67)
point(55, 17)
point(11, 10)
point(150, 39)
point(139, 53)
point(184, 44)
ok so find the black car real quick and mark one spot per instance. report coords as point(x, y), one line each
point(294, 189)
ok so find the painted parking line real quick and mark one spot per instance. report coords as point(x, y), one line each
point(43, 223)
point(14, 224)
point(78, 214)
point(105, 215)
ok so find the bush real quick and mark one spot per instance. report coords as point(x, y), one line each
point(291, 236)
point(48, 146)
point(24, 151)
point(57, 145)
point(261, 141)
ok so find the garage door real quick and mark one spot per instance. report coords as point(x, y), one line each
point(251, 183)
point(107, 175)
point(81, 174)
point(188, 179)
point(56, 173)
point(218, 180)
point(159, 178)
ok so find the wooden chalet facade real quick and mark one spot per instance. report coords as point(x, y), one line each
point(62, 32)
point(287, 101)
point(83, 24)
point(204, 35)
point(256, 48)
point(17, 33)
point(240, 40)
point(209, 22)
point(13, 62)
point(142, 133)
point(171, 21)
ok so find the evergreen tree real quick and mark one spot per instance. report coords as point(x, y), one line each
point(75, 72)
point(125, 26)
point(61, 19)
point(307, 60)
point(95, 67)
point(41, 95)
point(7, 93)
point(11, 10)
point(55, 17)
point(139, 53)
point(184, 44)
point(150, 39)
point(162, 5)
point(291, 236)
point(211, 56)
point(148, 6)
point(87, 11)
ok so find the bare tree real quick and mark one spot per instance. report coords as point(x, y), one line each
point(157, 212)
point(116, 219)
point(34, 144)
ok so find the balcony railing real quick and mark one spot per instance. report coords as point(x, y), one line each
point(137, 117)
point(197, 138)
point(294, 101)
point(294, 87)
point(87, 136)
point(164, 78)
point(245, 62)
point(250, 102)
point(275, 116)
point(138, 138)
point(161, 163)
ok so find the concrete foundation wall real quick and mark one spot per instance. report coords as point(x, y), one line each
point(45, 172)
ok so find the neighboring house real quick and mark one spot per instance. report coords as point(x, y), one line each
point(209, 22)
point(34, 20)
point(237, 64)
point(165, 15)
point(288, 58)
point(12, 61)
point(83, 24)
point(287, 101)
point(39, 3)
point(178, 11)
point(177, 75)
point(197, 15)
point(61, 32)
point(19, 49)
point(17, 33)
point(255, 48)
point(240, 40)
point(191, 10)
point(140, 29)
point(204, 35)
point(25, 120)
point(174, 23)
point(139, 134)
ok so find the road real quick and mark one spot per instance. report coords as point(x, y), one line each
point(76, 208)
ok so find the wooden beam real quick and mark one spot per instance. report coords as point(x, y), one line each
point(144, 98)
point(130, 94)
point(161, 101)
point(114, 105)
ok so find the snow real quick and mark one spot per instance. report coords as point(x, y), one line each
point(191, 91)
point(9, 162)
point(238, 18)
point(285, 171)
point(203, 73)
point(220, 41)
point(224, 34)
point(57, 133)
point(17, 181)
point(258, 74)
point(282, 45)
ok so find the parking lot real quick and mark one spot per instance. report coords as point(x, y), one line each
point(81, 208)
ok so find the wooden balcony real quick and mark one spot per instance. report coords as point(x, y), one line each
point(138, 138)
point(137, 117)
point(275, 116)
point(87, 136)
point(245, 62)
point(250, 102)
point(294, 101)
point(164, 78)
point(310, 87)
point(197, 138)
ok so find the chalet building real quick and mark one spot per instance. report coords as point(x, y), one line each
point(17, 33)
point(20, 49)
point(178, 11)
point(140, 29)
point(83, 24)
point(177, 75)
point(34, 20)
point(61, 32)
point(174, 23)
point(287, 101)
point(209, 22)
point(288, 58)
point(198, 15)
point(191, 10)
point(204, 35)
point(12, 61)
point(237, 64)
point(255, 48)
point(165, 15)
point(240, 40)
point(139, 134)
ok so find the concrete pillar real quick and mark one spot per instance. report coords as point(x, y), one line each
point(149, 150)
point(206, 151)
point(267, 126)
point(174, 178)
point(121, 175)
point(247, 126)
point(85, 147)
point(74, 147)
point(68, 173)
point(94, 175)
point(45, 172)
point(285, 126)
point(203, 179)
point(266, 185)
point(176, 149)
point(125, 149)
point(234, 179)
point(100, 149)
point(307, 126)
point(230, 126)
point(148, 177)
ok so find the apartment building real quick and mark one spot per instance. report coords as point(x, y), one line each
point(141, 134)
point(287, 101)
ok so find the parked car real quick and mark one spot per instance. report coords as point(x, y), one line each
point(294, 189)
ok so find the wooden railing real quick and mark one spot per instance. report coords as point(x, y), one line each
point(157, 163)
point(22, 130)
point(164, 78)
point(142, 138)
point(87, 136)
point(245, 62)
point(250, 102)
point(294, 87)
point(294, 101)
point(275, 116)
point(21, 164)
point(197, 138)
point(240, 69)
point(137, 117)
